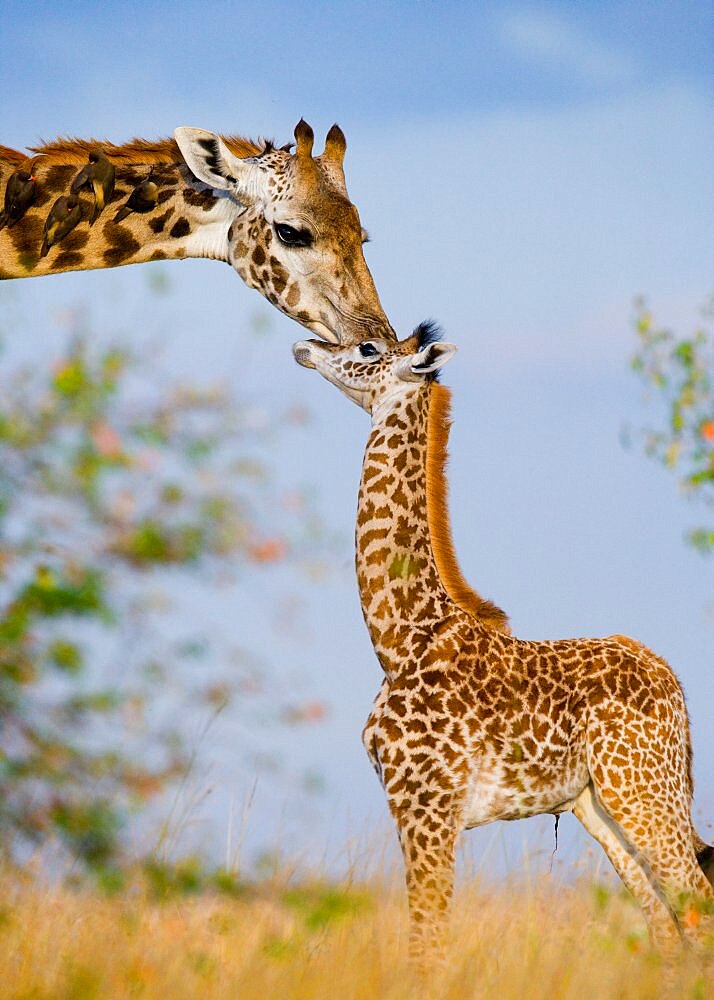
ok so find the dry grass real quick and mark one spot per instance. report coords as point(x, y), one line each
point(546, 941)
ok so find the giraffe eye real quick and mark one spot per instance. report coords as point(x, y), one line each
point(368, 350)
point(293, 237)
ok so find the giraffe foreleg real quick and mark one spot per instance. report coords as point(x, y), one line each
point(428, 841)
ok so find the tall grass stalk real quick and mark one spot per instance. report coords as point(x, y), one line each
point(319, 941)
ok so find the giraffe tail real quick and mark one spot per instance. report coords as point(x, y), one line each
point(705, 857)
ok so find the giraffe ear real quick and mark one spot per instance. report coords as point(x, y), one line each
point(210, 160)
point(430, 359)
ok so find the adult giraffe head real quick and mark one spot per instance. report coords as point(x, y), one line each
point(283, 220)
point(294, 235)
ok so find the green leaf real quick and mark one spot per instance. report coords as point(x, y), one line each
point(150, 433)
point(684, 353)
point(71, 378)
point(702, 540)
point(97, 701)
point(89, 828)
point(66, 655)
point(51, 595)
point(172, 493)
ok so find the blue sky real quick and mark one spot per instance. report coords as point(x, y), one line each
point(253, 64)
point(524, 171)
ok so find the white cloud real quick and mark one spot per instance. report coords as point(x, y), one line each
point(556, 44)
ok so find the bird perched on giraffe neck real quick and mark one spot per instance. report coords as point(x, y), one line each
point(100, 175)
point(20, 193)
point(64, 215)
point(143, 198)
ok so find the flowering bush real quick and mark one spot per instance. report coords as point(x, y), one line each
point(681, 371)
point(108, 484)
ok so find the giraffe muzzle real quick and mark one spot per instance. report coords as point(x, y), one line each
point(302, 354)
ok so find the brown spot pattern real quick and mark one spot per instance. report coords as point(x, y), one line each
point(121, 247)
point(180, 228)
point(158, 224)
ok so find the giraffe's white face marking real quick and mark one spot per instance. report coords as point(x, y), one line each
point(291, 232)
point(375, 372)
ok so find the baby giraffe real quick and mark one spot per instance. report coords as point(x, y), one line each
point(473, 725)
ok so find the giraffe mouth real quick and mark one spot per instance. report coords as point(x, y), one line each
point(355, 326)
point(324, 332)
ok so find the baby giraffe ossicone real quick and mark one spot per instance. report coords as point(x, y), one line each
point(472, 724)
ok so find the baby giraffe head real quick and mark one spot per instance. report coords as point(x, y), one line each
point(376, 372)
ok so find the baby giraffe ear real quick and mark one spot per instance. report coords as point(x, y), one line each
point(431, 358)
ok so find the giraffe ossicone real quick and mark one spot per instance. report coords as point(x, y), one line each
point(282, 220)
point(473, 725)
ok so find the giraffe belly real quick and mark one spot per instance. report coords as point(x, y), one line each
point(499, 790)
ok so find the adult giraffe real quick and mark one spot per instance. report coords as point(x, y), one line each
point(282, 220)
point(472, 724)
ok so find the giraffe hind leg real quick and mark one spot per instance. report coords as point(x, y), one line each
point(651, 807)
point(661, 921)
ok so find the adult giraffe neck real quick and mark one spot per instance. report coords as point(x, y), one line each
point(184, 220)
point(407, 571)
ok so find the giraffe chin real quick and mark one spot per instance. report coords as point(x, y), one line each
point(315, 354)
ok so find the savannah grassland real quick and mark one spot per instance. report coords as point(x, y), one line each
point(324, 942)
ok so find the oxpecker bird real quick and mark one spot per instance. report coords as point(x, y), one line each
point(81, 178)
point(20, 192)
point(143, 198)
point(101, 175)
point(64, 216)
